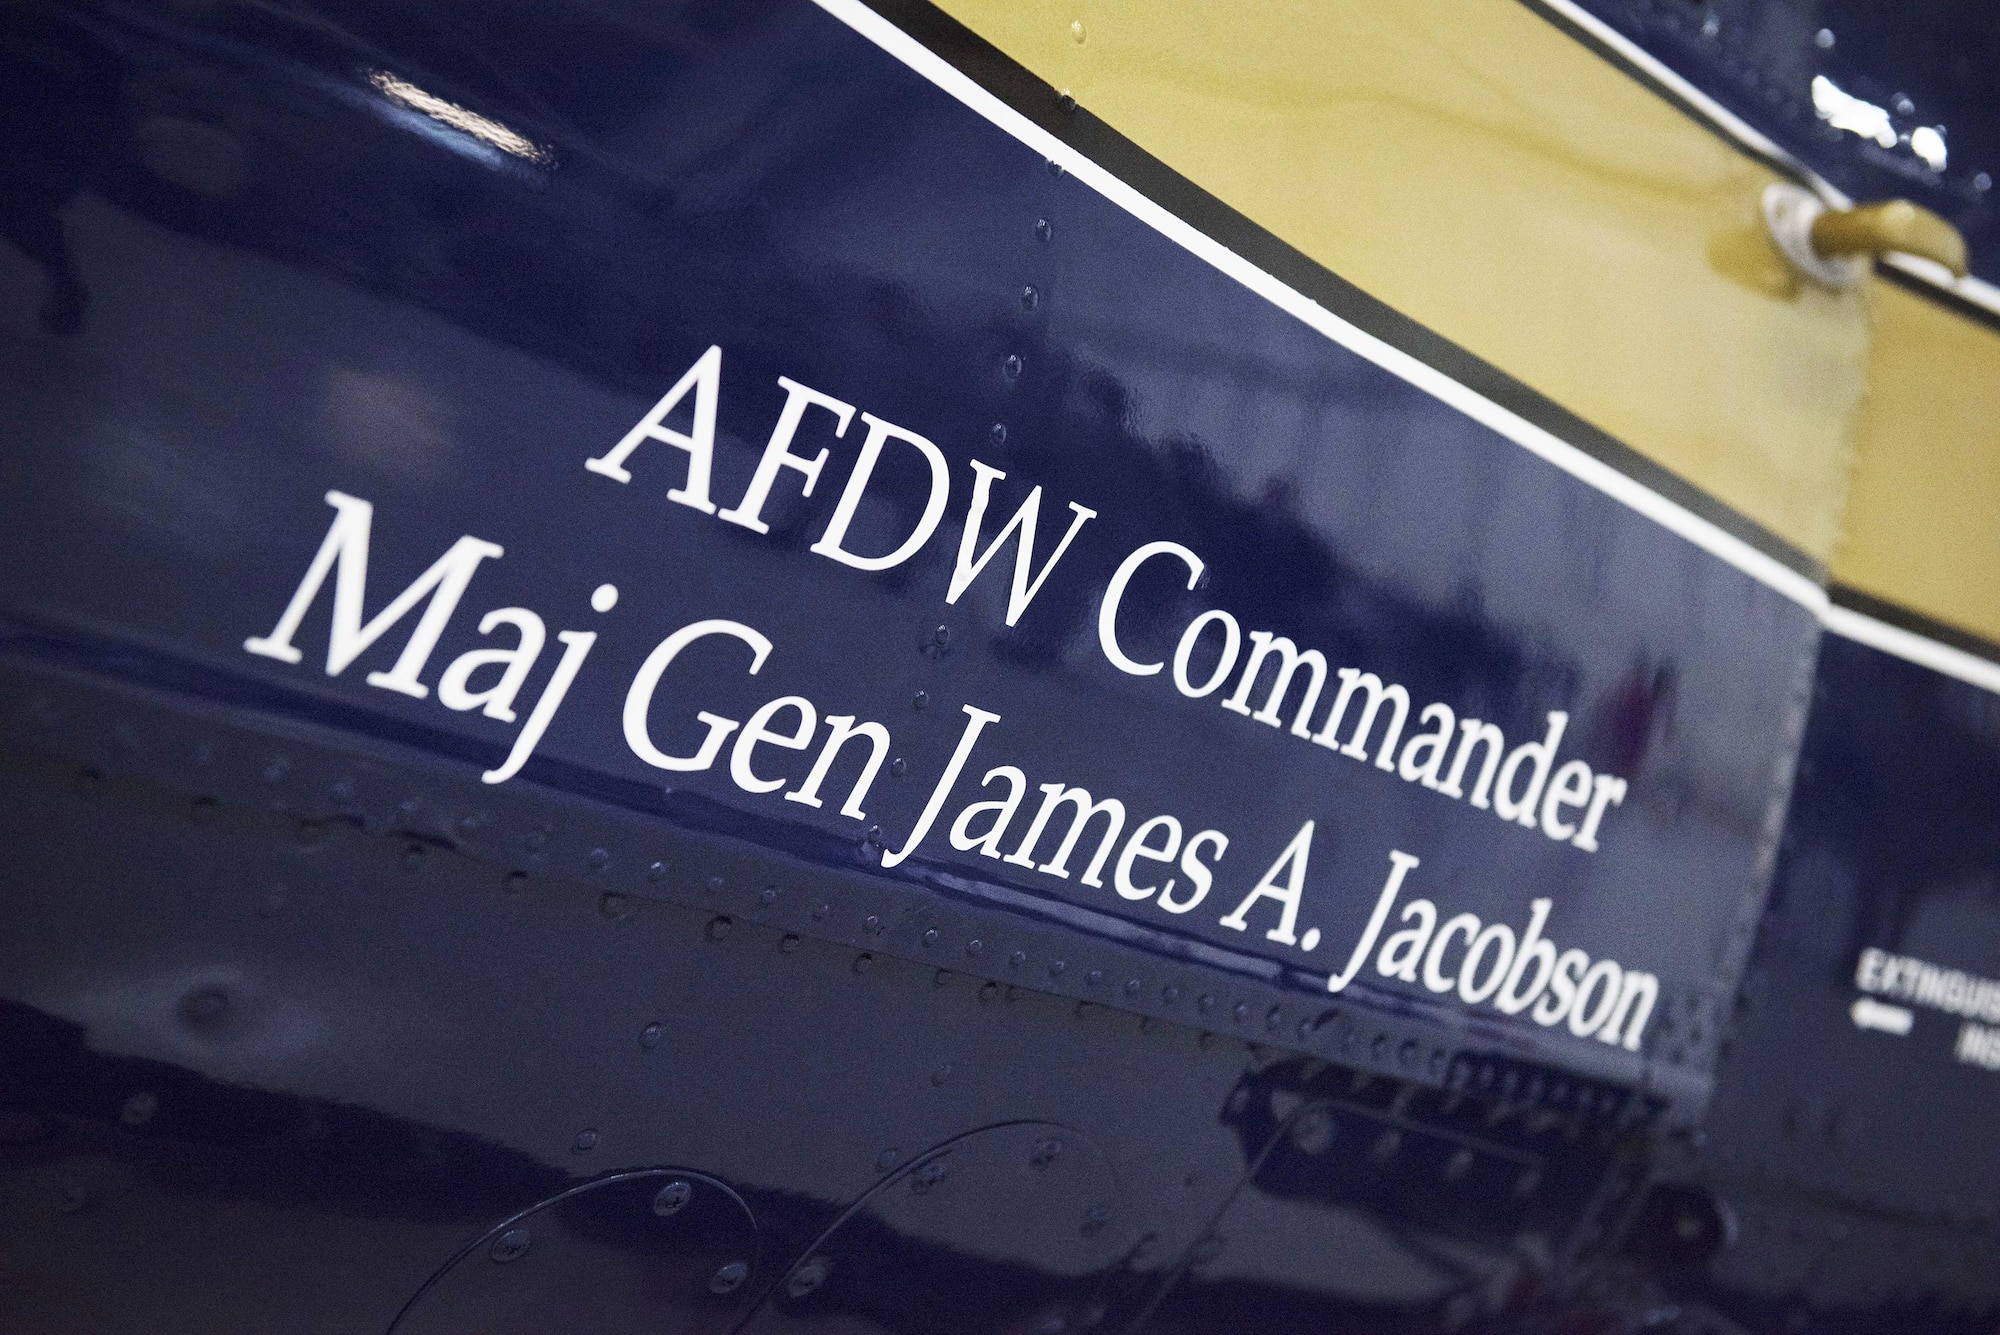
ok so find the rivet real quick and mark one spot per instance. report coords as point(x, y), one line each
point(941, 637)
point(1132, 986)
point(718, 928)
point(887, 1159)
point(614, 906)
point(1056, 969)
point(1044, 229)
point(205, 1009)
point(871, 924)
point(1313, 1132)
point(714, 884)
point(599, 859)
point(510, 1246)
point(1076, 32)
point(673, 1197)
point(1013, 366)
point(942, 978)
point(1067, 101)
point(989, 991)
point(941, 1074)
point(1170, 993)
point(1045, 1152)
point(1094, 1220)
point(820, 910)
point(1242, 1011)
point(139, 1109)
point(649, 1037)
point(1273, 1018)
point(808, 1276)
point(1095, 978)
point(1206, 1003)
point(899, 767)
point(974, 946)
point(586, 1141)
point(998, 433)
point(729, 1279)
point(657, 872)
point(932, 1173)
point(1055, 168)
point(1018, 958)
point(862, 961)
point(931, 937)
point(1030, 297)
point(768, 896)
point(920, 699)
point(873, 838)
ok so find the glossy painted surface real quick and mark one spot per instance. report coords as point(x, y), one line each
point(1895, 72)
point(1484, 172)
point(1919, 527)
point(1861, 1164)
point(307, 1027)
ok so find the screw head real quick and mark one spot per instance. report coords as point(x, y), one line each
point(673, 1197)
point(729, 1278)
point(510, 1246)
point(808, 1275)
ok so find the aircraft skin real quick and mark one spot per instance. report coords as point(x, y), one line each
point(994, 668)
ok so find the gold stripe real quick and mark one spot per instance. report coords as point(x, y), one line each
point(1481, 171)
point(1923, 512)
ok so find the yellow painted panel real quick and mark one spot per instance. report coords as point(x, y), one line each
point(1923, 515)
point(1487, 175)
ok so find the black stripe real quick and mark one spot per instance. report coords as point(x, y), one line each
point(1027, 94)
point(1916, 623)
point(1944, 296)
point(1781, 162)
